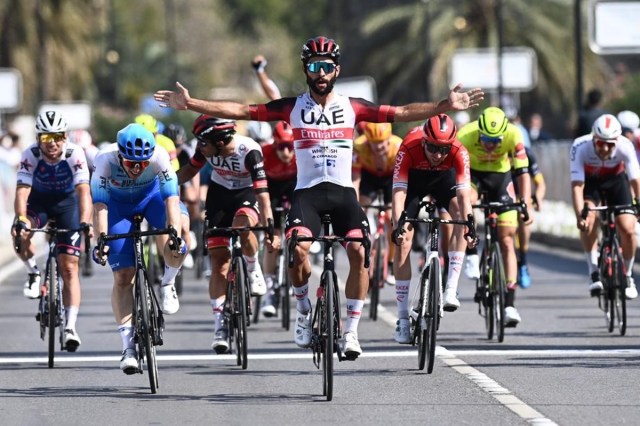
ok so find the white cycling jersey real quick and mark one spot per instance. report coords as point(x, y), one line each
point(585, 162)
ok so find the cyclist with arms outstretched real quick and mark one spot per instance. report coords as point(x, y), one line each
point(133, 177)
point(237, 196)
point(53, 184)
point(323, 125)
point(603, 167)
point(431, 161)
point(491, 142)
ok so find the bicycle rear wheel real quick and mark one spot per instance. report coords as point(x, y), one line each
point(285, 298)
point(376, 279)
point(420, 336)
point(328, 335)
point(52, 307)
point(433, 313)
point(145, 339)
point(239, 316)
point(498, 290)
point(483, 296)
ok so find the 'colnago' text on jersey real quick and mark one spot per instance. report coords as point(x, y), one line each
point(110, 182)
point(53, 180)
point(496, 160)
point(586, 163)
point(242, 169)
point(411, 156)
point(323, 136)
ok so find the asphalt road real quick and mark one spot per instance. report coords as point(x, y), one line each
point(560, 365)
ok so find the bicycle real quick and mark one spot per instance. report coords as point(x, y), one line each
point(50, 313)
point(613, 272)
point(148, 320)
point(237, 305)
point(491, 287)
point(326, 325)
point(426, 306)
point(379, 254)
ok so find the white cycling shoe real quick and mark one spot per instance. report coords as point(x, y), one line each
point(302, 330)
point(170, 303)
point(511, 317)
point(451, 302)
point(472, 267)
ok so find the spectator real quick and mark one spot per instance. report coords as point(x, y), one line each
point(536, 131)
point(591, 110)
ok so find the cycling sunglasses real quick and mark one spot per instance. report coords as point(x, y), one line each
point(52, 137)
point(327, 67)
point(281, 146)
point(489, 139)
point(437, 149)
point(135, 165)
point(601, 143)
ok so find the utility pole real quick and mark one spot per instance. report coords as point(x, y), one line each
point(577, 18)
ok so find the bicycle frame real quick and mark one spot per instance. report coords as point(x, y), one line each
point(380, 255)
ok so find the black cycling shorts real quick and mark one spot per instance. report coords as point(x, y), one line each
point(439, 184)
point(370, 185)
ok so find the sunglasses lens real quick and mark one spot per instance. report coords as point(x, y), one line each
point(487, 139)
point(601, 143)
point(51, 137)
point(327, 67)
point(435, 149)
point(285, 145)
point(141, 165)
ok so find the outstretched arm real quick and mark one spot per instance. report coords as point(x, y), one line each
point(181, 100)
point(270, 88)
point(456, 101)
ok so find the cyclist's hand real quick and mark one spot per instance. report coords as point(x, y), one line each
point(259, 63)
point(20, 224)
point(100, 258)
point(177, 246)
point(464, 100)
point(87, 228)
point(177, 100)
point(582, 224)
point(397, 236)
point(273, 245)
point(472, 242)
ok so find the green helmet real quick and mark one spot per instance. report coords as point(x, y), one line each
point(148, 122)
point(493, 122)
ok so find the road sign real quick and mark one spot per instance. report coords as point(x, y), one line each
point(613, 27)
point(11, 89)
point(479, 68)
point(76, 114)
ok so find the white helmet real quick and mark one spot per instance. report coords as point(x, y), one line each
point(629, 119)
point(259, 131)
point(50, 122)
point(606, 127)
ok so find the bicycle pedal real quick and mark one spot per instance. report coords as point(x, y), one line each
point(38, 317)
point(131, 371)
point(350, 356)
point(595, 293)
point(510, 325)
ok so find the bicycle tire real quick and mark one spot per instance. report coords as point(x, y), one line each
point(257, 302)
point(240, 312)
point(433, 312)
point(420, 327)
point(620, 287)
point(179, 283)
point(328, 335)
point(145, 339)
point(483, 294)
point(498, 290)
point(52, 308)
point(285, 300)
point(376, 280)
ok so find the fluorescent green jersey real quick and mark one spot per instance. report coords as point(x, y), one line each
point(496, 159)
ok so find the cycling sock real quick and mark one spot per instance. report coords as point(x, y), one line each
point(523, 257)
point(510, 298)
point(169, 276)
point(31, 265)
point(303, 304)
point(268, 279)
point(217, 304)
point(629, 264)
point(252, 265)
point(455, 266)
point(592, 260)
point(217, 320)
point(471, 251)
point(126, 334)
point(71, 312)
point(354, 310)
point(402, 298)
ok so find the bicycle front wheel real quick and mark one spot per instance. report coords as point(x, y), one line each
point(145, 340)
point(328, 335)
point(484, 297)
point(620, 285)
point(52, 307)
point(432, 314)
point(240, 315)
point(376, 279)
point(420, 336)
point(498, 290)
point(285, 298)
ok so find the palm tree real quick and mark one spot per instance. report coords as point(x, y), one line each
point(405, 43)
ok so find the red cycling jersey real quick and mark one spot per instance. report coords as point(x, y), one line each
point(411, 156)
point(275, 168)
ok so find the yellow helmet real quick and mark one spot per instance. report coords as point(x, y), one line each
point(493, 122)
point(377, 132)
point(148, 122)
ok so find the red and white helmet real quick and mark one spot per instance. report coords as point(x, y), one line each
point(606, 128)
point(439, 130)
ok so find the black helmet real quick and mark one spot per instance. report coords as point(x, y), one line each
point(176, 133)
point(213, 129)
point(320, 46)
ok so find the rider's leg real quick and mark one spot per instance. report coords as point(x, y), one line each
point(69, 267)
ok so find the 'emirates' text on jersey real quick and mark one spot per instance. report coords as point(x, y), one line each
point(242, 169)
point(585, 162)
point(323, 136)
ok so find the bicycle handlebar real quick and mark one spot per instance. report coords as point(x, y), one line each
point(235, 231)
point(494, 206)
point(586, 209)
point(104, 238)
point(53, 231)
point(329, 239)
point(470, 223)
